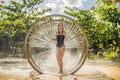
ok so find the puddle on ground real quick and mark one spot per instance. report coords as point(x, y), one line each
point(89, 71)
point(71, 77)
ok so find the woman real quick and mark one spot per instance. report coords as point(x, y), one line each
point(60, 36)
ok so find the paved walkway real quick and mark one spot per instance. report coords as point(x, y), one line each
point(19, 69)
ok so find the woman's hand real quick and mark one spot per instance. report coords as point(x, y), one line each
point(53, 39)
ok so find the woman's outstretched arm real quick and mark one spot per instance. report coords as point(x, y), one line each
point(64, 33)
point(54, 39)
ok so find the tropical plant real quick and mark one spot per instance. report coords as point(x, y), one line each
point(112, 3)
point(15, 20)
point(100, 24)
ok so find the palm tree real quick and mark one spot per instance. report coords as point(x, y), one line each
point(110, 2)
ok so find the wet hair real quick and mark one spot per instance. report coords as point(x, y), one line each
point(62, 27)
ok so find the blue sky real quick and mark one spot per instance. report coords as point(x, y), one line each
point(58, 5)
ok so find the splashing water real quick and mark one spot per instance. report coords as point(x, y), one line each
point(41, 50)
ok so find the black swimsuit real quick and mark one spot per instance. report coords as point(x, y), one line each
point(60, 40)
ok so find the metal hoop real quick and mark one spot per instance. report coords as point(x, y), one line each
point(39, 25)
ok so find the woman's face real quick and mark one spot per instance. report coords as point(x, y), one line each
point(60, 26)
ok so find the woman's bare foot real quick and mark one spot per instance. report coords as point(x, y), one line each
point(60, 72)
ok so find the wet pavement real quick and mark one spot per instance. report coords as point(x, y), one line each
point(19, 69)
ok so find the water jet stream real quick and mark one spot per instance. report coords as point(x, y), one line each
point(40, 50)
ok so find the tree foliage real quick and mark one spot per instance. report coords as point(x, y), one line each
point(100, 24)
point(111, 3)
point(16, 18)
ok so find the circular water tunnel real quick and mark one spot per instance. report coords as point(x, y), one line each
point(40, 50)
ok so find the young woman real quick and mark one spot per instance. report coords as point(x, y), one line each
point(60, 37)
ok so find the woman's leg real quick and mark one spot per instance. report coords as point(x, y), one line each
point(60, 63)
point(60, 55)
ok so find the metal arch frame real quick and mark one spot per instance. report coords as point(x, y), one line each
point(55, 15)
